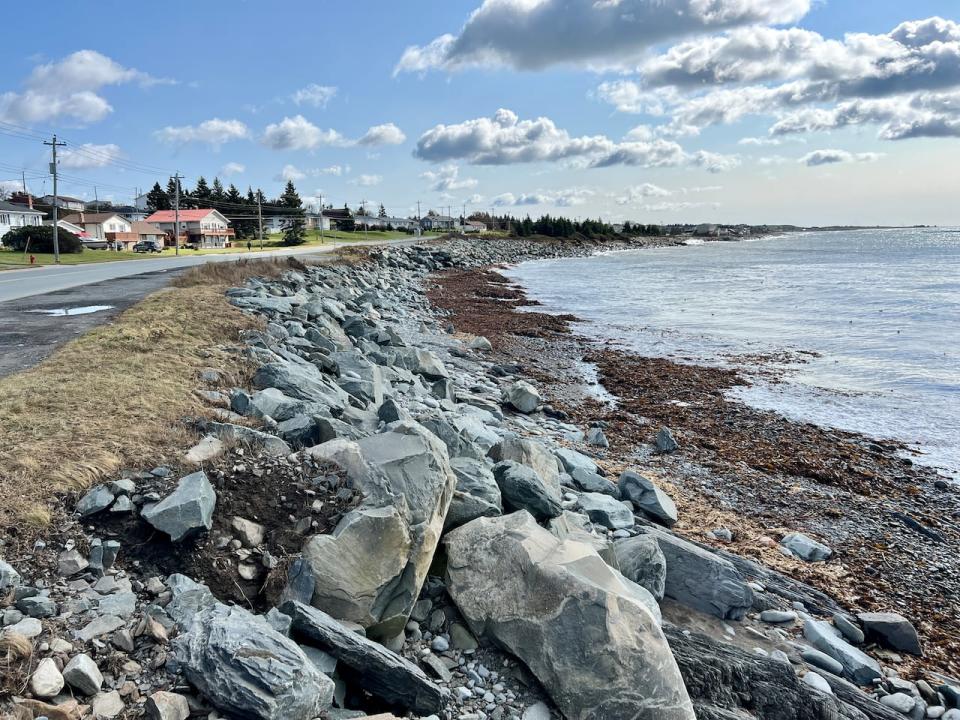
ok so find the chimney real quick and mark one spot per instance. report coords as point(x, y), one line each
point(30, 201)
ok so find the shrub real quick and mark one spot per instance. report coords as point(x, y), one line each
point(40, 238)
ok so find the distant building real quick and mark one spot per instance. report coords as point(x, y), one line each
point(474, 226)
point(13, 216)
point(64, 202)
point(201, 228)
point(337, 217)
point(147, 232)
point(385, 223)
point(437, 222)
point(706, 230)
point(109, 227)
point(317, 220)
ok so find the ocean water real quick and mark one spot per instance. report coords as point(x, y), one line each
point(871, 319)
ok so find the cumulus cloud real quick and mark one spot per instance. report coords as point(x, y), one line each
point(316, 95)
point(214, 132)
point(636, 193)
point(233, 168)
point(89, 155)
point(386, 134)
point(568, 197)
point(447, 178)
point(69, 89)
point(367, 180)
point(290, 173)
point(505, 139)
point(714, 162)
point(829, 157)
point(670, 206)
point(298, 133)
point(336, 170)
point(535, 34)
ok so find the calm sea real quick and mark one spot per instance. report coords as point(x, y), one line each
point(879, 308)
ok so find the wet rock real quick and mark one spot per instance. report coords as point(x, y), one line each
point(641, 560)
point(185, 511)
point(46, 680)
point(244, 667)
point(893, 630)
point(806, 548)
point(701, 579)
point(96, 500)
point(382, 673)
point(604, 510)
point(549, 602)
point(857, 665)
point(522, 489)
point(163, 705)
point(647, 497)
point(522, 397)
point(83, 674)
point(665, 441)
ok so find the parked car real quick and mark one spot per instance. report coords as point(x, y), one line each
point(146, 246)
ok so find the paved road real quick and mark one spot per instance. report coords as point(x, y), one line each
point(16, 284)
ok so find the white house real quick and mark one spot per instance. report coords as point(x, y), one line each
point(474, 226)
point(14, 216)
point(201, 228)
point(374, 221)
point(102, 226)
point(64, 202)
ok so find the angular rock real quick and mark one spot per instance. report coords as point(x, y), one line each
point(592, 482)
point(99, 626)
point(163, 705)
point(251, 534)
point(107, 705)
point(465, 507)
point(379, 671)
point(641, 560)
point(596, 438)
point(83, 674)
point(574, 526)
point(46, 680)
point(531, 453)
point(702, 580)
point(604, 510)
point(806, 548)
point(209, 448)
point(267, 443)
point(421, 362)
point(300, 381)
point(96, 500)
point(185, 511)
point(857, 665)
point(522, 397)
point(647, 497)
point(572, 460)
point(665, 441)
point(590, 636)
point(522, 489)
point(245, 667)
point(8, 576)
point(893, 630)
point(70, 562)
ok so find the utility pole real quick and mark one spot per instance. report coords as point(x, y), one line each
point(176, 212)
point(96, 200)
point(321, 218)
point(23, 176)
point(363, 208)
point(260, 217)
point(53, 171)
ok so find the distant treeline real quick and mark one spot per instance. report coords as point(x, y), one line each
point(552, 226)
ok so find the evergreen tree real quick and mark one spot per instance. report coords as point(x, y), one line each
point(217, 193)
point(383, 211)
point(294, 233)
point(157, 199)
point(202, 192)
point(171, 192)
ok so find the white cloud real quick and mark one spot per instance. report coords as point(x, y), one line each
point(316, 95)
point(670, 206)
point(89, 155)
point(69, 90)
point(290, 172)
point(568, 197)
point(447, 178)
point(386, 134)
point(715, 162)
point(336, 170)
point(10, 186)
point(214, 132)
point(367, 180)
point(298, 133)
point(233, 168)
point(635, 193)
point(830, 156)
point(535, 34)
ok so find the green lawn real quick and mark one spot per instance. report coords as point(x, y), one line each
point(11, 258)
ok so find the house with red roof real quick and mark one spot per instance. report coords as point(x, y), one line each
point(200, 228)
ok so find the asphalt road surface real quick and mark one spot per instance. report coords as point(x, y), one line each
point(16, 284)
point(43, 308)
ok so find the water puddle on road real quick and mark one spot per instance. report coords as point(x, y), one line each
point(60, 312)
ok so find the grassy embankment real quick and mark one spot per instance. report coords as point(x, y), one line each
point(115, 397)
point(10, 258)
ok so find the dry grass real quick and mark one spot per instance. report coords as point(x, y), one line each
point(233, 273)
point(16, 658)
point(116, 396)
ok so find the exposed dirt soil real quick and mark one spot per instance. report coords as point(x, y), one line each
point(894, 532)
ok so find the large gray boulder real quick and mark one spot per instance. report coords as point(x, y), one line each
point(359, 377)
point(407, 483)
point(240, 434)
point(477, 493)
point(522, 397)
point(857, 665)
point(533, 454)
point(273, 403)
point(245, 667)
point(590, 636)
point(421, 362)
point(464, 435)
point(647, 497)
point(805, 547)
point(369, 665)
point(605, 510)
point(571, 460)
point(300, 381)
point(522, 489)
point(187, 510)
point(701, 579)
point(576, 527)
point(893, 630)
point(641, 560)
point(592, 482)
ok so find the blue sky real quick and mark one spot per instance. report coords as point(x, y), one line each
point(651, 110)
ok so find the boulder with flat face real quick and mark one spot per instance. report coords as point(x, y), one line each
point(604, 510)
point(857, 665)
point(805, 547)
point(647, 497)
point(522, 489)
point(590, 636)
point(641, 560)
point(522, 397)
point(893, 630)
point(187, 510)
point(531, 453)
